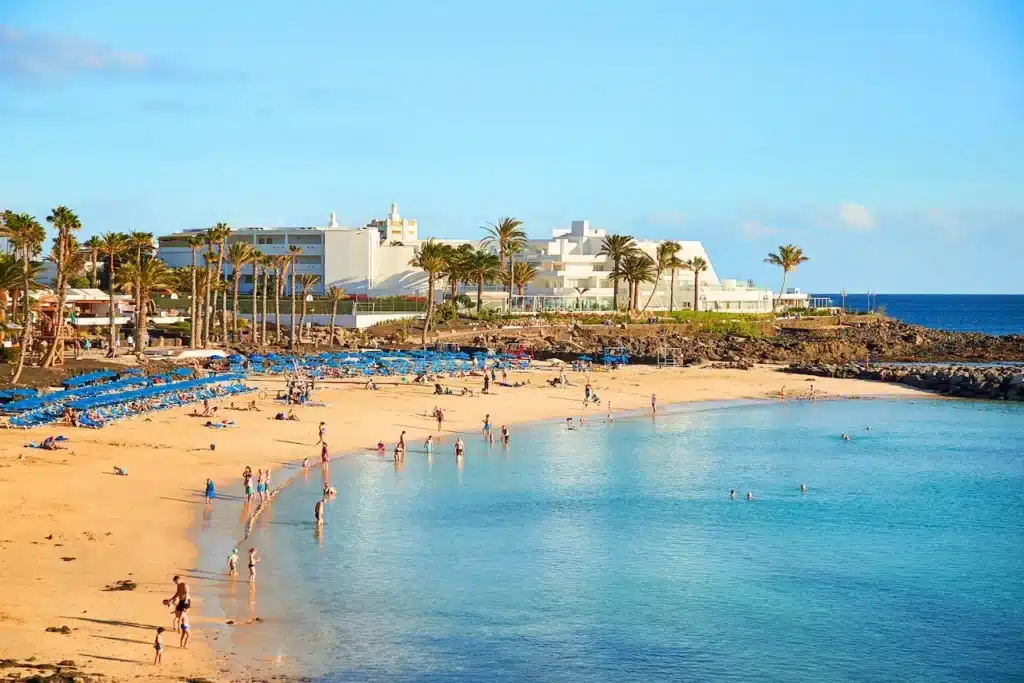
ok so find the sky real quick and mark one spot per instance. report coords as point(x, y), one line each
point(884, 137)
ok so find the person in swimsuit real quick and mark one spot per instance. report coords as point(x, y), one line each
point(428, 445)
point(318, 512)
point(440, 419)
point(732, 493)
point(211, 491)
point(253, 559)
point(323, 432)
point(233, 562)
point(182, 600)
point(504, 434)
point(158, 645)
point(487, 424)
point(183, 643)
point(654, 404)
point(460, 448)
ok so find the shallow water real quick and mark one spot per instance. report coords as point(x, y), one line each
point(614, 552)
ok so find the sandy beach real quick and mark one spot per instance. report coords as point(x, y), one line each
point(71, 527)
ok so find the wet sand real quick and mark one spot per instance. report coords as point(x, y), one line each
point(71, 527)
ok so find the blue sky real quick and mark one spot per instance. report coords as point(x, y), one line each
point(885, 138)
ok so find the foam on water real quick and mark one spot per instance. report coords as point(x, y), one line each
point(614, 553)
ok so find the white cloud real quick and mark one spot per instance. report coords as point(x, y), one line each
point(753, 230)
point(27, 56)
point(667, 218)
point(856, 216)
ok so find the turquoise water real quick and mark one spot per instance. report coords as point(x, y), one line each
point(614, 553)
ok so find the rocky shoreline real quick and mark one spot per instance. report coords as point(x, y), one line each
point(1004, 383)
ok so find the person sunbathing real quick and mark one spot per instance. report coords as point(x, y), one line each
point(292, 416)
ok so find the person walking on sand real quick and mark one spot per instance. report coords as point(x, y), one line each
point(487, 424)
point(158, 645)
point(233, 562)
point(654, 404)
point(253, 559)
point(185, 627)
point(440, 419)
point(211, 491)
point(504, 435)
point(182, 600)
point(323, 432)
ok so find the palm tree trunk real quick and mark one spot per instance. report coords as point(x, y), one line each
point(4, 298)
point(236, 281)
point(511, 278)
point(94, 255)
point(194, 313)
point(207, 278)
point(334, 316)
point(615, 288)
point(113, 327)
point(657, 281)
point(479, 295)
point(56, 350)
point(223, 295)
point(26, 326)
point(263, 316)
point(292, 318)
point(430, 306)
point(672, 291)
point(138, 303)
point(782, 288)
point(696, 289)
point(277, 306)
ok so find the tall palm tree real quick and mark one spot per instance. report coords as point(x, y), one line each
point(142, 244)
point(456, 265)
point(195, 242)
point(482, 267)
point(240, 254)
point(307, 283)
point(523, 274)
point(696, 265)
point(142, 278)
point(65, 249)
point(788, 257)
point(113, 245)
point(210, 239)
point(26, 235)
point(617, 247)
point(665, 259)
point(635, 268)
point(281, 262)
point(224, 231)
point(267, 263)
point(335, 295)
point(294, 251)
point(509, 238)
point(429, 257)
point(10, 280)
point(93, 245)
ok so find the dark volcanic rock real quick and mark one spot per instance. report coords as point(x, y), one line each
point(1001, 383)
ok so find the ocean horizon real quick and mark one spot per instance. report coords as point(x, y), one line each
point(614, 552)
point(998, 314)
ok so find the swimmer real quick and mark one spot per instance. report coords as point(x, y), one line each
point(569, 424)
point(732, 493)
point(318, 512)
point(750, 496)
point(846, 437)
point(305, 463)
point(803, 488)
point(381, 447)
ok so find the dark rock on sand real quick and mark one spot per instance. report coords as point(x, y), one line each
point(1004, 383)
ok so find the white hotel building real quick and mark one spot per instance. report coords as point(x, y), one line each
point(374, 260)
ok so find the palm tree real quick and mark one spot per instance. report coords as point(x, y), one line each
point(482, 267)
point(142, 278)
point(788, 257)
point(635, 268)
point(65, 249)
point(617, 247)
point(508, 237)
point(93, 245)
point(142, 244)
point(10, 280)
point(523, 273)
point(335, 295)
point(25, 234)
point(113, 244)
point(666, 259)
point(281, 262)
point(294, 252)
point(307, 283)
point(696, 265)
point(429, 256)
point(240, 254)
point(210, 238)
point(580, 291)
point(456, 265)
point(256, 260)
point(195, 242)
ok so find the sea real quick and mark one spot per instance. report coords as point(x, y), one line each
point(990, 313)
point(614, 552)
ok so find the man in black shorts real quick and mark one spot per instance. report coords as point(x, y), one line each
point(182, 600)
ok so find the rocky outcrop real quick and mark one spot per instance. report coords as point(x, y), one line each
point(1000, 382)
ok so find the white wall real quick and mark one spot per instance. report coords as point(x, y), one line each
point(349, 322)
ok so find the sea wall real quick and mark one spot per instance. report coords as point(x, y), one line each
point(1000, 383)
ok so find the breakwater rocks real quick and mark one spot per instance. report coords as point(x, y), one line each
point(999, 383)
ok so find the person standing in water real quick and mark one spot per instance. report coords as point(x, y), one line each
point(654, 404)
point(318, 512)
point(211, 491)
point(323, 433)
point(487, 424)
point(460, 448)
point(253, 560)
point(504, 435)
point(428, 445)
point(233, 562)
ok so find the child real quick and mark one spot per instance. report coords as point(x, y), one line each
point(184, 631)
point(233, 562)
point(158, 645)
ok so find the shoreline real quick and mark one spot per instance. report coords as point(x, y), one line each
point(68, 503)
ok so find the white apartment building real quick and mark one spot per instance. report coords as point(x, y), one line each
point(374, 260)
